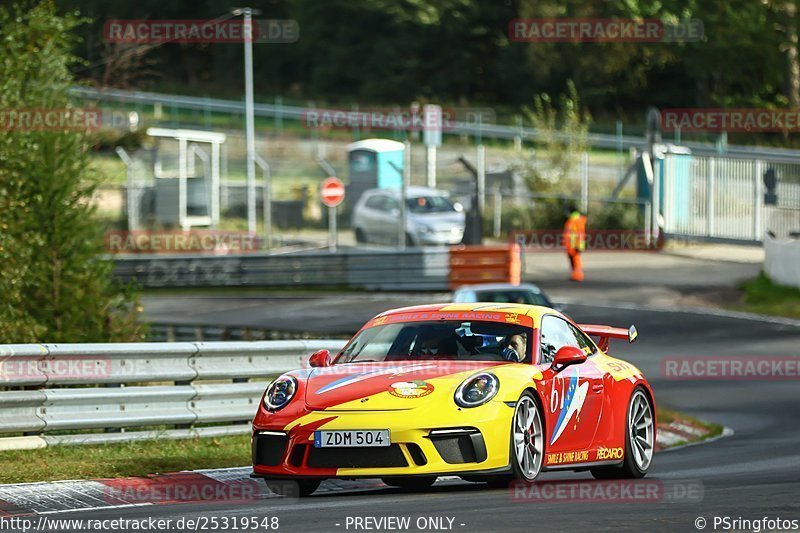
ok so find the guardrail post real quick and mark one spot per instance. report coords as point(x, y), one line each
point(498, 213)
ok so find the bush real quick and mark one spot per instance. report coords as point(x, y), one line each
point(107, 139)
point(54, 286)
point(618, 216)
point(549, 214)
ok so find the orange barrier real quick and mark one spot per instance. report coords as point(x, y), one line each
point(484, 264)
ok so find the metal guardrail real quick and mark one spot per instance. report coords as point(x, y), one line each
point(175, 332)
point(411, 269)
point(496, 131)
point(47, 388)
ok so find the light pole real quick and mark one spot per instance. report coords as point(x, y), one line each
point(250, 135)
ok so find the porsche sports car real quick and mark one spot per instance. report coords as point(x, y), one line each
point(488, 392)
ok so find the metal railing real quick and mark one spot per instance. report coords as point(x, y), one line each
point(496, 131)
point(46, 388)
point(724, 198)
point(370, 269)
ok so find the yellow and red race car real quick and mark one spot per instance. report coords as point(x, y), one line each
point(488, 392)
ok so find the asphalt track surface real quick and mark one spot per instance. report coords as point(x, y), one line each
point(752, 474)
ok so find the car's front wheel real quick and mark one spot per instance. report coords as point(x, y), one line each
point(360, 237)
point(527, 444)
point(527, 439)
point(298, 488)
point(639, 440)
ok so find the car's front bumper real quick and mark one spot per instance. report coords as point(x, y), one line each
point(447, 237)
point(423, 443)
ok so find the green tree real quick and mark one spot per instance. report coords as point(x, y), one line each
point(562, 140)
point(54, 285)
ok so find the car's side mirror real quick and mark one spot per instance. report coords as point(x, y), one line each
point(320, 358)
point(458, 207)
point(568, 355)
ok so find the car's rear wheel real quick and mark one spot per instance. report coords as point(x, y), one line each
point(639, 440)
point(360, 237)
point(293, 487)
point(410, 483)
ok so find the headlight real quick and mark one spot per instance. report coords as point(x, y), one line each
point(424, 229)
point(477, 390)
point(280, 392)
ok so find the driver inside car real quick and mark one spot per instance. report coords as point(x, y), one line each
point(515, 348)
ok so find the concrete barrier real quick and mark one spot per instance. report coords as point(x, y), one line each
point(782, 261)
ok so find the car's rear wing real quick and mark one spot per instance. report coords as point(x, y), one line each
point(604, 333)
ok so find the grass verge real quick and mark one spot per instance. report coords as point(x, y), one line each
point(765, 297)
point(123, 459)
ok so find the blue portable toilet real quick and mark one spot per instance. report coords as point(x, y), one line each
point(374, 164)
point(678, 196)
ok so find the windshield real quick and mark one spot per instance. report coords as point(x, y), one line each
point(440, 340)
point(430, 204)
point(514, 296)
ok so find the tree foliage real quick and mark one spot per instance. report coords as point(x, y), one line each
point(54, 285)
point(459, 51)
point(562, 140)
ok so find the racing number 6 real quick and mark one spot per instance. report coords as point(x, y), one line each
point(555, 397)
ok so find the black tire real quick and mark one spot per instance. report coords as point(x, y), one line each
point(410, 240)
point(627, 469)
point(517, 473)
point(297, 488)
point(360, 237)
point(417, 483)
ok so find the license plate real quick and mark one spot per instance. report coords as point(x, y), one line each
point(351, 438)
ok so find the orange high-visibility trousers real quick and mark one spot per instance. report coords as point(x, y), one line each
point(577, 266)
point(575, 243)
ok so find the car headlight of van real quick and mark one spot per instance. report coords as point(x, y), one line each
point(477, 390)
point(280, 392)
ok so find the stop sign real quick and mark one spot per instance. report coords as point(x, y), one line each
point(332, 192)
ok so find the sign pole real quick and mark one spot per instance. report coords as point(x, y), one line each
point(432, 166)
point(433, 122)
point(332, 229)
point(406, 178)
point(332, 193)
point(250, 122)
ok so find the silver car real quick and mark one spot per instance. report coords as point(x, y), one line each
point(524, 293)
point(431, 218)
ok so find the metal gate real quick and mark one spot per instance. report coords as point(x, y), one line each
point(724, 198)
